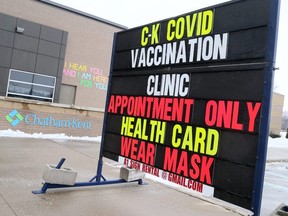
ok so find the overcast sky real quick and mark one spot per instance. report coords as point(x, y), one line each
point(133, 13)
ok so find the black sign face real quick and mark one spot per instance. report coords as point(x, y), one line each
point(186, 98)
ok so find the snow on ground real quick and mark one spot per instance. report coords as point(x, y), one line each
point(281, 142)
point(276, 176)
point(275, 189)
point(17, 133)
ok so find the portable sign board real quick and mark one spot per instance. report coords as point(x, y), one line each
point(189, 99)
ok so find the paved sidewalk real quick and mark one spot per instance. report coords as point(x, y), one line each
point(22, 161)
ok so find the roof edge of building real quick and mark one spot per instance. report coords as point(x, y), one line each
point(73, 10)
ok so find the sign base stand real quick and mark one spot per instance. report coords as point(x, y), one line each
point(95, 181)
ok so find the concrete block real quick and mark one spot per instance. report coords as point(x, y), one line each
point(129, 174)
point(64, 176)
point(281, 210)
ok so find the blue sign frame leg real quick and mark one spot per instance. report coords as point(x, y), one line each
point(97, 181)
point(267, 95)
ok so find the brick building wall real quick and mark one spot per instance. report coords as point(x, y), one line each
point(88, 50)
point(47, 118)
point(276, 113)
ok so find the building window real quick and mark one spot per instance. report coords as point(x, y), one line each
point(67, 94)
point(29, 85)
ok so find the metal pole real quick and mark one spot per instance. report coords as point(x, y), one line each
point(100, 160)
point(265, 114)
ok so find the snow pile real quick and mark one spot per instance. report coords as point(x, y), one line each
point(272, 143)
point(20, 134)
point(281, 142)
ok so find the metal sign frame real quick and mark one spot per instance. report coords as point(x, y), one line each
point(121, 73)
point(267, 100)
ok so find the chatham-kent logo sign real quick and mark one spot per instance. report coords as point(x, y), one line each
point(14, 118)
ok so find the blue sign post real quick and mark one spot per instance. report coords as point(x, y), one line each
point(267, 98)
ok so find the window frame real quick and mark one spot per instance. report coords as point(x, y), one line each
point(50, 99)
